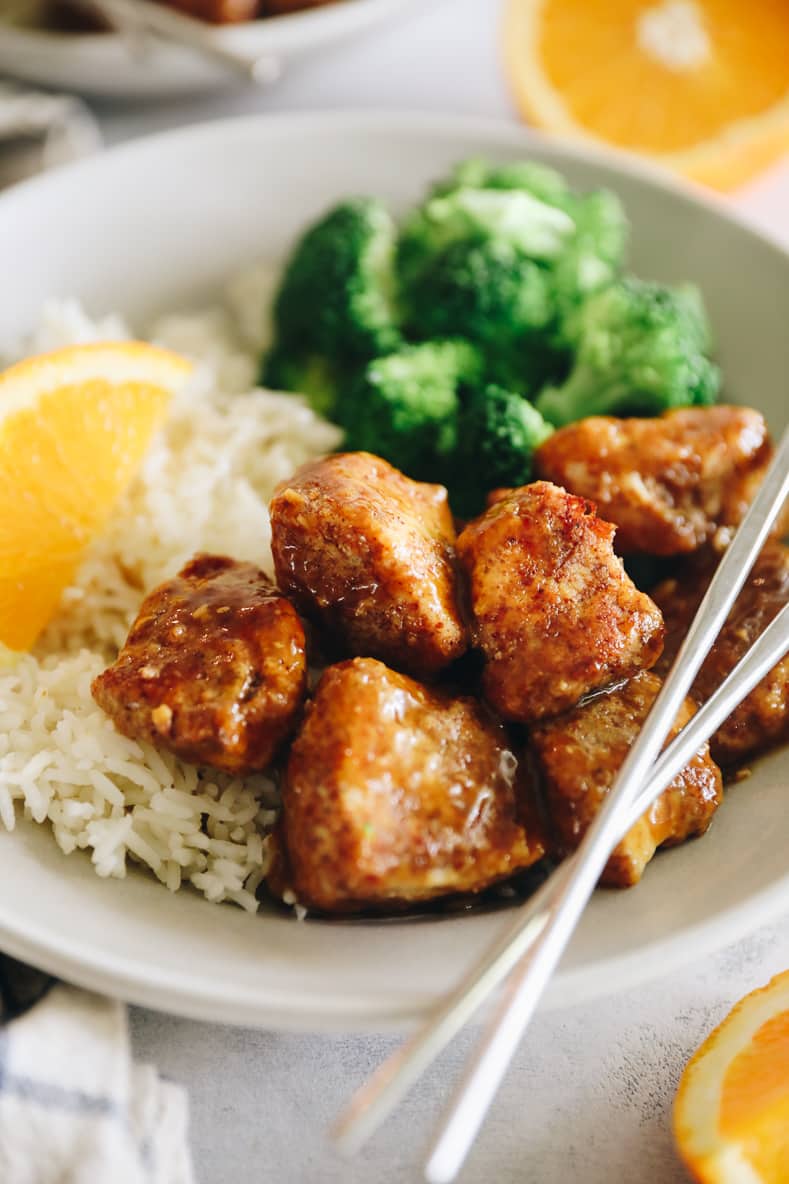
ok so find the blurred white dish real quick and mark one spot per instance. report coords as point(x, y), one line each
point(227, 193)
point(101, 64)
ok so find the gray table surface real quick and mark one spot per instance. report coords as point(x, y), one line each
point(589, 1095)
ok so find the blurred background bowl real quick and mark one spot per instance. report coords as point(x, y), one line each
point(101, 65)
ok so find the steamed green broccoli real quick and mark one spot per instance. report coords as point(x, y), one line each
point(511, 284)
point(588, 253)
point(337, 295)
point(404, 406)
point(591, 257)
point(600, 224)
point(311, 375)
point(642, 349)
point(515, 217)
point(491, 294)
point(485, 290)
point(498, 434)
point(539, 180)
point(591, 260)
point(598, 215)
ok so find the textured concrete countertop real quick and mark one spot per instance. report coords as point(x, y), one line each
point(588, 1098)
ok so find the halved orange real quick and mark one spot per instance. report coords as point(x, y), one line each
point(731, 1113)
point(700, 85)
point(74, 428)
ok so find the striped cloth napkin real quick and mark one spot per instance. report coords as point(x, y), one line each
point(74, 1107)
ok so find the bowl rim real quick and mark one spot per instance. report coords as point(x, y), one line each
point(427, 123)
point(126, 978)
point(301, 19)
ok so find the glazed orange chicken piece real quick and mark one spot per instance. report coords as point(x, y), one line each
point(669, 483)
point(217, 12)
point(224, 12)
point(281, 7)
point(579, 754)
point(555, 614)
point(398, 793)
point(214, 668)
point(762, 719)
point(368, 555)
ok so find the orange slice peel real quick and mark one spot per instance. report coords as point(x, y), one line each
point(75, 425)
point(701, 86)
point(731, 1113)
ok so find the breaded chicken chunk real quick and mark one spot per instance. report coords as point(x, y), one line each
point(762, 719)
point(578, 756)
point(555, 614)
point(368, 555)
point(395, 792)
point(214, 668)
point(281, 7)
point(218, 12)
point(223, 12)
point(667, 484)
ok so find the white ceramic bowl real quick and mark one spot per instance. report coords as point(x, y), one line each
point(101, 65)
point(225, 193)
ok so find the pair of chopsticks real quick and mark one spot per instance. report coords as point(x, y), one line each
point(135, 18)
point(533, 943)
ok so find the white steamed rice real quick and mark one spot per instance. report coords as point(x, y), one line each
point(204, 485)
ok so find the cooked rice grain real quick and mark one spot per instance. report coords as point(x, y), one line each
point(118, 798)
point(205, 485)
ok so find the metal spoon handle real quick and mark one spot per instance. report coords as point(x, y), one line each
point(148, 17)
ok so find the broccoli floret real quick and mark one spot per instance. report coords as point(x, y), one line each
point(540, 361)
point(586, 256)
point(512, 216)
point(491, 294)
point(641, 350)
point(591, 260)
point(591, 257)
point(337, 295)
point(311, 375)
point(598, 215)
point(539, 180)
point(404, 406)
point(486, 290)
point(600, 224)
point(498, 433)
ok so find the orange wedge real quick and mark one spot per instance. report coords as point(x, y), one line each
point(731, 1114)
point(74, 428)
point(700, 85)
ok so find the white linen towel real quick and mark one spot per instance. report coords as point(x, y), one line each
point(75, 1108)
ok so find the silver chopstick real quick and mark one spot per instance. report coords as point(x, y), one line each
point(501, 1036)
point(145, 16)
point(467, 1111)
point(769, 649)
point(393, 1079)
point(466, 999)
